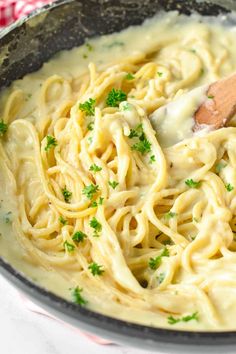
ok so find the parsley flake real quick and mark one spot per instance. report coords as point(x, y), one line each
point(229, 187)
point(95, 224)
point(220, 166)
point(66, 194)
point(51, 142)
point(172, 320)
point(3, 128)
point(152, 159)
point(90, 126)
point(113, 184)
point(211, 97)
point(160, 278)
point(77, 297)
point(155, 262)
point(115, 97)
point(79, 236)
point(88, 107)
point(68, 246)
point(63, 221)
point(95, 168)
point(143, 146)
point(136, 132)
point(192, 184)
point(129, 76)
point(169, 215)
point(159, 73)
point(95, 269)
point(90, 190)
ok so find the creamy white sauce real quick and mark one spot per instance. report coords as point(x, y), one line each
point(175, 121)
point(177, 38)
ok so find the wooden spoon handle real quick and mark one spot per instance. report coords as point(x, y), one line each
point(220, 106)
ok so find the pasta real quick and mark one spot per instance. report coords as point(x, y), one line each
point(140, 231)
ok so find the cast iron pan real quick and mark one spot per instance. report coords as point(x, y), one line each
point(24, 47)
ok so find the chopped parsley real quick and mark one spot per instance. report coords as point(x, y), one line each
point(94, 204)
point(172, 320)
point(115, 44)
point(152, 159)
point(77, 297)
point(85, 56)
point(229, 187)
point(63, 221)
point(129, 76)
point(89, 46)
point(143, 146)
point(155, 262)
point(90, 190)
point(51, 142)
point(220, 166)
point(8, 217)
point(79, 236)
point(88, 107)
point(95, 168)
point(137, 132)
point(192, 184)
point(66, 194)
point(160, 278)
point(169, 215)
point(95, 269)
point(68, 246)
point(159, 73)
point(126, 106)
point(90, 126)
point(90, 140)
point(115, 97)
point(113, 184)
point(3, 128)
point(210, 97)
point(95, 224)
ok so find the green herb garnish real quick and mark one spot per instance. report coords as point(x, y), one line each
point(88, 107)
point(95, 269)
point(136, 132)
point(143, 146)
point(155, 262)
point(192, 184)
point(115, 97)
point(90, 126)
point(160, 278)
point(229, 187)
point(63, 221)
point(169, 215)
point(89, 46)
point(113, 184)
point(90, 190)
point(210, 97)
point(129, 76)
point(51, 142)
point(95, 224)
point(66, 194)
point(115, 44)
point(159, 73)
point(79, 236)
point(100, 201)
point(77, 297)
point(68, 246)
point(152, 159)
point(220, 166)
point(126, 106)
point(95, 168)
point(3, 128)
point(94, 204)
point(172, 320)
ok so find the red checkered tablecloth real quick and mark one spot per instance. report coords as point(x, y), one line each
point(11, 10)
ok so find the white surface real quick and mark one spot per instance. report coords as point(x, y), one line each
point(25, 332)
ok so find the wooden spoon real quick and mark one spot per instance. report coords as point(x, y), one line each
point(220, 106)
point(204, 108)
